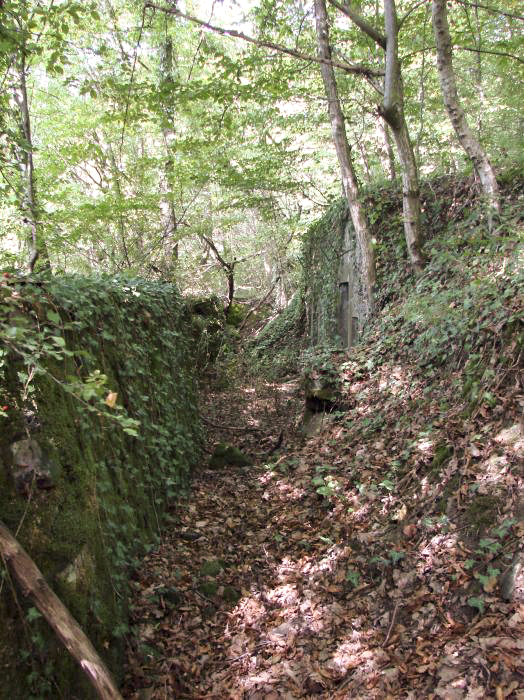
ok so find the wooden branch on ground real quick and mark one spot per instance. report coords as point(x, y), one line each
point(68, 630)
point(232, 427)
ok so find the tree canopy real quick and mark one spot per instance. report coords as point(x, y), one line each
point(165, 140)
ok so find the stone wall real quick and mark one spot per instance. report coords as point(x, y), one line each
point(99, 432)
point(332, 279)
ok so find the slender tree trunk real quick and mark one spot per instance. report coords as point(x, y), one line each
point(392, 110)
point(387, 155)
point(364, 157)
point(422, 93)
point(469, 143)
point(229, 269)
point(349, 179)
point(168, 130)
point(35, 243)
point(393, 113)
point(115, 173)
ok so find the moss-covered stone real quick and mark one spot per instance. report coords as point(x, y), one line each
point(212, 567)
point(110, 488)
point(481, 513)
point(230, 595)
point(208, 588)
point(228, 456)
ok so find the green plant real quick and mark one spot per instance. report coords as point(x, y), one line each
point(477, 603)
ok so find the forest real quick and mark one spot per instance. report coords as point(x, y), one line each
point(261, 313)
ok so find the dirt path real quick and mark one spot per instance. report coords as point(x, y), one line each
point(269, 587)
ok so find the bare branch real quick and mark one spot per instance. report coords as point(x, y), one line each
point(466, 48)
point(410, 12)
point(361, 23)
point(348, 68)
point(493, 53)
point(493, 10)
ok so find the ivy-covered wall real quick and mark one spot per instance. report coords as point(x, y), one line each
point(329, 258)
point(99, 432)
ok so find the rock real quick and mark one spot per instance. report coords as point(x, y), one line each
point(227, 455)
point(321, 389)
point(31, 467)
point(170, 595)
point(314, 423)
point(190, 536)
point(211, 567)
point(512, 580)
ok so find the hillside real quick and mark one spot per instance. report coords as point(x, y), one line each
point(379, 555)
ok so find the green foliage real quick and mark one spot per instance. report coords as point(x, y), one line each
point(276, 349)
point(105, 364)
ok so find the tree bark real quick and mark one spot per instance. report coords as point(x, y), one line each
point(168, 131)
point(60, 619)
point(387, 155)
point(393, 113)
point(35, 244)
point(469, 143)
point(349, 179)
point(229, 269)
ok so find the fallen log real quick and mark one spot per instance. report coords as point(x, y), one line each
point(34, 586)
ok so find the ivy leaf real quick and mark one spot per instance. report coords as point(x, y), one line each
point(58, 340)
point(53, 316)
point(33, 614)
point(477, 603)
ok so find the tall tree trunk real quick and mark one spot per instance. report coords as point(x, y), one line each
point(36, 245)
point(387, 156)
point(469, 143)
point(392, 110)
point(115, 173)
point(168, 131)
point(349, 179)
point(393, 113)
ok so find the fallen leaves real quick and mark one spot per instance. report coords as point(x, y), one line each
point(360, 591)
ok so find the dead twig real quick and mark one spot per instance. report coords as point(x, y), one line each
point(394, 617)
point(232, 428)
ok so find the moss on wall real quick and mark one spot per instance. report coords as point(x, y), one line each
point(321, 255)
point(117, 462)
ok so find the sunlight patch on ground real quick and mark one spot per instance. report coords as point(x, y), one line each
point(286, 594)
point(426, 446)
point(251, 609)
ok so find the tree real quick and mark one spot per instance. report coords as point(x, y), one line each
point(470, 144)
point(20, 18)
point(349, 178)
point(392, 110)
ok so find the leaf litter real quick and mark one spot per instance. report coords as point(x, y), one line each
point(380, 558)
point(374, 588)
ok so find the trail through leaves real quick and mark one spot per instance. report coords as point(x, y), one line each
point(323, 571)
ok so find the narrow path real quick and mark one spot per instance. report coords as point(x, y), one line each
point(270, 585)
point(267, 621)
